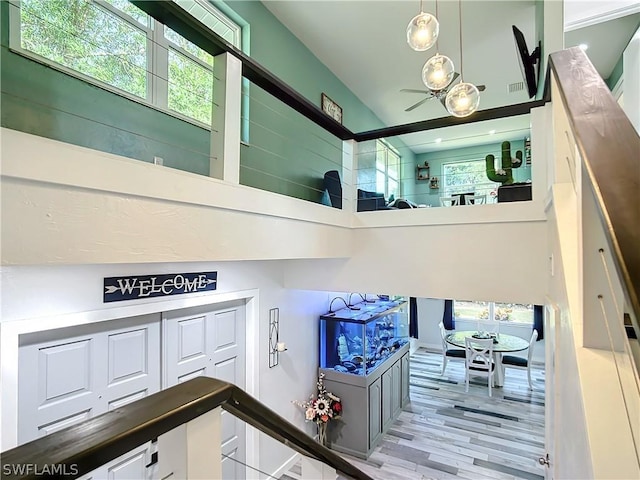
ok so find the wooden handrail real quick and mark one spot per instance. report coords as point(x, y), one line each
point(95, 442)
point(610, 150)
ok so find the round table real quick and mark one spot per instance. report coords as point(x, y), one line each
point(506, 343)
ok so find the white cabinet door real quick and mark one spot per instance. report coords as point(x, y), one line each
point(71, 374)
point(210, 341)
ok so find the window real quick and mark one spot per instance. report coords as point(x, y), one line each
point(387, 170)
point(504, 312)
point(466, 177)
point(115, 44)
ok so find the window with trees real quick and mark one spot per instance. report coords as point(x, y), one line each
point(387, 170)
point(466, 177)
point(504, 312)
point(116, 45)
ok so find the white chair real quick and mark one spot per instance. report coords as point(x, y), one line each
point(450, 201)
point(479, 360)
point(513, 361)
point(475, 199)
point(447, 351)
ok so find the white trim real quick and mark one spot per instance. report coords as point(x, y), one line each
point(602, 17)
point(10, 332)
point(156, 95)
point(226, 124)
point(191, 5)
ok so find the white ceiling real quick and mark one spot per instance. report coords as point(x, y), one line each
point(364, 44)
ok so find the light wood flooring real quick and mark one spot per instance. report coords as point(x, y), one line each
point(446, 433)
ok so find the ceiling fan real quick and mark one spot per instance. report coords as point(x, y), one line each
point(439, 94)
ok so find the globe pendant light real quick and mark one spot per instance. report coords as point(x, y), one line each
point(422, 31)
point(438, 72)
point(464, 98)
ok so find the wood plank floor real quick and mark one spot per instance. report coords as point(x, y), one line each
point(446, 433)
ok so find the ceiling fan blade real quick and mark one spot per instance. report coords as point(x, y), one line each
point(482, 88)
point(455, 77)
point(411, 90)
point(416, 105)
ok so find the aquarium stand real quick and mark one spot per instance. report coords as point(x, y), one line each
point(370, 404)
point(364, 356)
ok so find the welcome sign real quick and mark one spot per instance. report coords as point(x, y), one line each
point(117, 289)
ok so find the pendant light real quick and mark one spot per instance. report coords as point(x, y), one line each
point(422, 31)
point(438, 71)
point(464, 98)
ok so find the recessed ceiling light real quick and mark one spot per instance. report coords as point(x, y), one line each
point(438, 140)
point(583, 46)
point(491, 132)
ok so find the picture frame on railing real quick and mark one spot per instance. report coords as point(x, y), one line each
point(331, 108)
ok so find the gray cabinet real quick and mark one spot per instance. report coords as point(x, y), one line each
point(396, 389)
point(387, 394)
point(370, 403)
point(391, 393)
point(404, 380)
point(375, 401)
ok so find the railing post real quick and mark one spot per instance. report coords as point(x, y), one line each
point(315, 470)
point(192, 450)
point(349, 175)
point(225, 119)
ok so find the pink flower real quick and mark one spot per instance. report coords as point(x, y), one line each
point(310, 413)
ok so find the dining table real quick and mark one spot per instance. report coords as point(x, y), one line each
point(502, 343)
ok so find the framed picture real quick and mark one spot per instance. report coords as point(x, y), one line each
point(331, 108)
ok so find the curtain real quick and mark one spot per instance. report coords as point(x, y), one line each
point(538, 321)
point(447, 319)
point(413, 317)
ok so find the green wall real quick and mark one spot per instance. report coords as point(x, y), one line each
point(280, 52)
point(286, 153)
point(283, 143)
point(43, 101)
point(423, 194)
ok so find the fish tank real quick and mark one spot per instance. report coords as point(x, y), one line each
point(358, 339)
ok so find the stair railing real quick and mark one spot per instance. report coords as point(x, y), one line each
point(80, 449)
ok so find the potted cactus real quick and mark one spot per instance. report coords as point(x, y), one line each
point(509, 191)
point(504, 175)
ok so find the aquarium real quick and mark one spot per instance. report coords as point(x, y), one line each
point(359, 338)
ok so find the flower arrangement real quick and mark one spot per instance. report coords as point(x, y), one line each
point(324, 407)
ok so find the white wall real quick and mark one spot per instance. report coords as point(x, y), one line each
point(41, 297)
point(430, 312)
point(631, 80)
point(72, 205)
point(581, 13)
point(505, 262)
point(592, 430)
